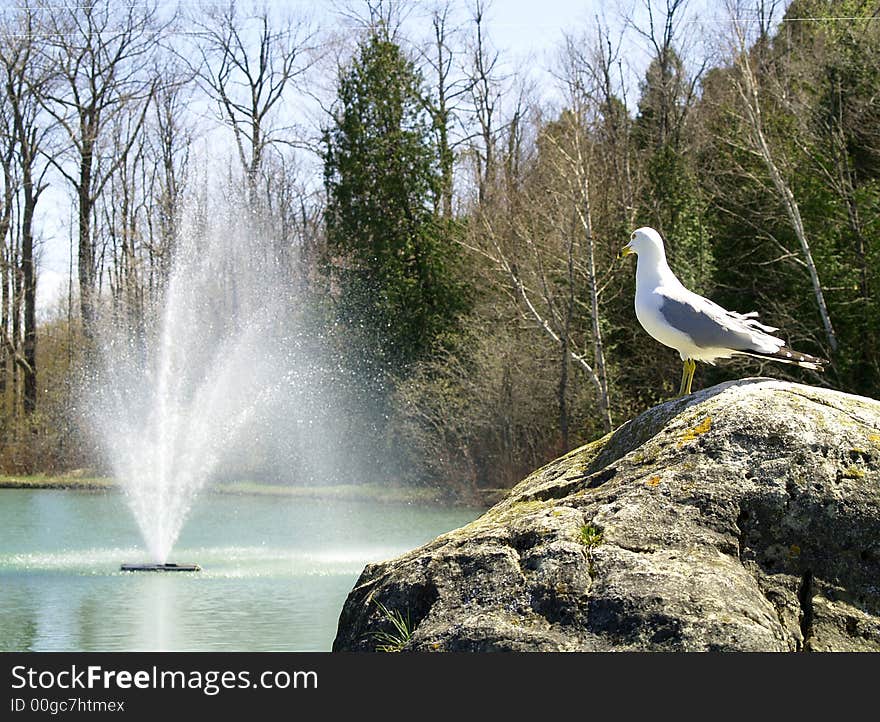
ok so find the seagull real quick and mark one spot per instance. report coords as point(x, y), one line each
point(699, 329)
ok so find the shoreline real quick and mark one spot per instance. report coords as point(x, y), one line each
point(386, 494)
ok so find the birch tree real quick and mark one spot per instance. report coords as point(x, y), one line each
point(547, 253)
point(747, 85)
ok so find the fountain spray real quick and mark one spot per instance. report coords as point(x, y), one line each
point(168, 401)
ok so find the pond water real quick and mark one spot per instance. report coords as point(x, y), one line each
point(276, 570)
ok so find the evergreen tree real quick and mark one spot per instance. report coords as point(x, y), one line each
point(392, 259)
point(672, 201)
point(842, 133)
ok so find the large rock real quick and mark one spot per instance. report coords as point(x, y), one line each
point(743, 517)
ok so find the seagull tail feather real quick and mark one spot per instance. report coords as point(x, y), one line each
point(790, 356)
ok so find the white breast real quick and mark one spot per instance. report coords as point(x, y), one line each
point(648, 303)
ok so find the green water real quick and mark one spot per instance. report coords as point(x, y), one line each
point(276, 571)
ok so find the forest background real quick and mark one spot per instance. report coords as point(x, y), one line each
point(448, 218)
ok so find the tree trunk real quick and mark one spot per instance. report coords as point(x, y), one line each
point(6, 264)
point(4, 321)
point(563, 391)
point(440, 114)
point(580, 172)
point(86, 249)
point(565, 336)
point(446, 163)
point(15, 339)
point(29, 283)
point(604, 400)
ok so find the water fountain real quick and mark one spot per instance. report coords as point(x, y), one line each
point(169, 401)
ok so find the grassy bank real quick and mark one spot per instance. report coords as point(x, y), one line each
point(350, 492)
point(43, 481)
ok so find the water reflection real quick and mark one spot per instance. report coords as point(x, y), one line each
point(19, 627)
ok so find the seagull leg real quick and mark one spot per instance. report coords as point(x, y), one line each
point(692, 366)
point(687, 377)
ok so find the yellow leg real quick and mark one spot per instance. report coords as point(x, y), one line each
point(687, 377)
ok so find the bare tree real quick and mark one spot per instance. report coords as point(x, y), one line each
point(170, 141)
point(675, 89)
point(249, 66)
point(598, 60)
point(123, 216)
point(546, 249)
point(485, 93)
point(295, 219)
point(24, 80)
point(102, 52)
point(574, 160)
point(449, 89)
point(24, 150)
point(137, 214)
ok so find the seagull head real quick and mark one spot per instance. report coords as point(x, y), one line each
point(644, 241)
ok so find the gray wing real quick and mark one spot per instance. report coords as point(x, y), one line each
point(710, 326)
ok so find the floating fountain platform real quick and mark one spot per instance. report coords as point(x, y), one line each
point(167, 567)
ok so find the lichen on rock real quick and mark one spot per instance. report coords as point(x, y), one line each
point(743, 517)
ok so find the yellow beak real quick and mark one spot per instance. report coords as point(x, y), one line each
point(625, 251)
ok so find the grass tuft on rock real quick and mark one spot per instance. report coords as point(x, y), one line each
point(590, 536)
point(401, 634)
